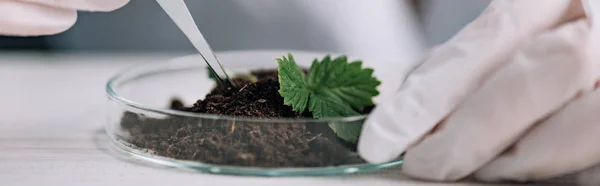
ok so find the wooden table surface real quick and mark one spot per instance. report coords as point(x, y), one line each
point(51, 130)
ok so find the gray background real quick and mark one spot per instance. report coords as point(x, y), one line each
point(231, 25)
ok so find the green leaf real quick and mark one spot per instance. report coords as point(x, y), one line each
point(248, 76)
point(332, 88)
point(323, 106)
point(292, 84)
point(347, 82)
point(211, 75)
point(349, 131)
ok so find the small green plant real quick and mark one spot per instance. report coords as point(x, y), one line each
point(248, 76)
point(331, 88)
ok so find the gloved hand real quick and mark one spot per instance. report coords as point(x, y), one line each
point(511, 97)
point(46, 17)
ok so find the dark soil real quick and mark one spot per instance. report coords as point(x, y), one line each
point(241, 143)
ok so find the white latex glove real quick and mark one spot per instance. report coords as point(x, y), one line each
point(47, 17)
point(511, 97)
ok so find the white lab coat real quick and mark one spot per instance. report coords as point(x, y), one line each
point(385, 32)
point(347, 26)
point(356, 27)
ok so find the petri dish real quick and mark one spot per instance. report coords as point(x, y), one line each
point(142, 124)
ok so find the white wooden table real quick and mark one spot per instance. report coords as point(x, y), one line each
point(51, 130)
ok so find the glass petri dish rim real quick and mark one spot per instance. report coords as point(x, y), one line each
point(113, 94)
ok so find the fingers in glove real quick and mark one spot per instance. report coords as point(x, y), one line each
point(589, 177)
point(28, 19)
point(541, 78)
point(565, 143)
point(85, 5)
point(456, 69)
